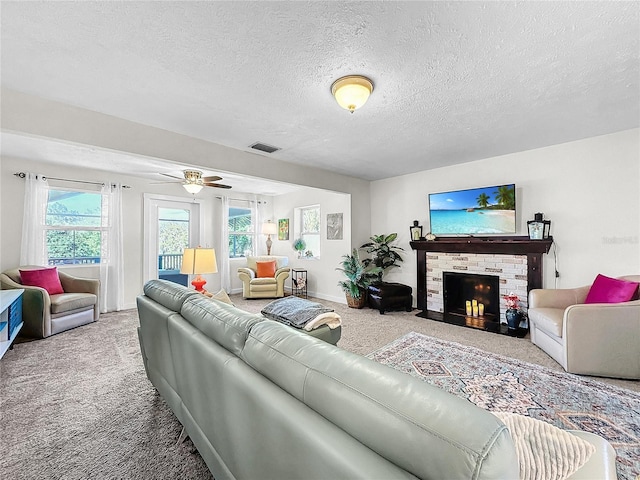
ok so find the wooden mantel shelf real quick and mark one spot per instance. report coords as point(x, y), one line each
point(503, 245)
point(511, 245)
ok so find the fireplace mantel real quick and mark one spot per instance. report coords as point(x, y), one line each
point(508, 245)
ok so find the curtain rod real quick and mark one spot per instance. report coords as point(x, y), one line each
point(244, 200)
point(23, 175)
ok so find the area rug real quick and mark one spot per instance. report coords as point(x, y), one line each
point(499, 383)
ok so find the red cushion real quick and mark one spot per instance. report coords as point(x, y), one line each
point(46, 278)
point(266, 269)
point(611, 290)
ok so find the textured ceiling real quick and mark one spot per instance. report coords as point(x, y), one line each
point(454, 81)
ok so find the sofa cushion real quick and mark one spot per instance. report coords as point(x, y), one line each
point(266, 269)
point(611, 290)
point(66, 302)
point(46, 278)
point(225, 324)
point(281, 261)
point(168, 294)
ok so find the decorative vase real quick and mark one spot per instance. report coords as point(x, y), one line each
point(513, 318)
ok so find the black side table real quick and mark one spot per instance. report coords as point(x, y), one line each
point(299, 282)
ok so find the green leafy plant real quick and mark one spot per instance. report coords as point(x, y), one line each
point(359, 276)
point(299, 245)
point(385, 254)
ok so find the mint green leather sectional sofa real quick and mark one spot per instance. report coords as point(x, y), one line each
point(261, 400)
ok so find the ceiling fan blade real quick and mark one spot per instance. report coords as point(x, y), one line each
point(172, 176)
point(216, 185)
point(215, 178)
point(161, 183)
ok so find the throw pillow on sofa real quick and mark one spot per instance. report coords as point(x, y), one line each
point(46, 278)
point(611, 290)
point(266, 269)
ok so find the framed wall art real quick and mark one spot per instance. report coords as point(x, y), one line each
point(334, 226)
point(283, 229)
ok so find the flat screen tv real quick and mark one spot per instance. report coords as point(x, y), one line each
point(475, 211)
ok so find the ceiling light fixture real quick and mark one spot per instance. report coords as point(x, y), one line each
point(192, 181)
point(351, 92)
point(192, 187)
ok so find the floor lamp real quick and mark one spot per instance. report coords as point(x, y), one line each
point(199, 261)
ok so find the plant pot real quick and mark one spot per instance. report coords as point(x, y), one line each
point(355, 302)
point(513, 317)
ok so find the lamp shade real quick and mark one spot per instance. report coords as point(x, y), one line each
point(351, 92)
point(269, 228)
point(198, 261)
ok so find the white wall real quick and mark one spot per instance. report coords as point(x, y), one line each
point(589, 189)
point(322, 278)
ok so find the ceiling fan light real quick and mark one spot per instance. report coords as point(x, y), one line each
point(192, 188)
point(351, 92)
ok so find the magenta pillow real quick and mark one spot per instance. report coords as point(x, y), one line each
point(611, 290)
point(46, 278)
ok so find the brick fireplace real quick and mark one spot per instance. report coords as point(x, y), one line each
point(516, 261)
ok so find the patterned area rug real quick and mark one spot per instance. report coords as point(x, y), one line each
point(499, 383)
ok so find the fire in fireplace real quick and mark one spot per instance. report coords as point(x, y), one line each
point(473, 297)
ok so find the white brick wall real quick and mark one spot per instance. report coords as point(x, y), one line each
point(511, 269)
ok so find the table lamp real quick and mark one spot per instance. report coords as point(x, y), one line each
point(198, 261)
point(269, 228)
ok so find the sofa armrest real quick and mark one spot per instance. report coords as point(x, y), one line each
point(282, 273)
point(36, 308)
point(246, 274)
point(73, 284)
point(556, 298)
point(601, 339)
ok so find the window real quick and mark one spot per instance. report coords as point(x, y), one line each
point(308, 228)
point(241, 231)
point(173, 238)
point(73, 227)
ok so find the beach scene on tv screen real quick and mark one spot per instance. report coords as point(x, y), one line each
point(474, 211)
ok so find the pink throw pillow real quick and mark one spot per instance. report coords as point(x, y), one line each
point(46, 278)
point(266, 269)
point(611, 290)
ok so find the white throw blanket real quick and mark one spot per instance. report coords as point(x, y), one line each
point(544, 451)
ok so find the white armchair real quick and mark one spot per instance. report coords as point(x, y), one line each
point(254, 286)
point(598, 339)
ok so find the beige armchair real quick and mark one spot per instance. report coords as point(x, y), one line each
point(45, 315)
point(598, 339)
point(263, 287)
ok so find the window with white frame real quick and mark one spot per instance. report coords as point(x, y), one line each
point(73, 227)
point(307, 228)
point(241, 231)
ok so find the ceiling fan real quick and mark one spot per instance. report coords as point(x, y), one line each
point(193, 181)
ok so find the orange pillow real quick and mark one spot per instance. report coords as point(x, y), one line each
point(46, 278)
point(266, 269)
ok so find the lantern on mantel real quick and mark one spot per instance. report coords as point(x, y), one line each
point(538, 228)
point(416, 231)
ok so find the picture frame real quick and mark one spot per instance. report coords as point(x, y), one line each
point(334, 226)
point(283, 229)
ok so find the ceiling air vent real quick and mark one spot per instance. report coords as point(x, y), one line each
point(263, 147)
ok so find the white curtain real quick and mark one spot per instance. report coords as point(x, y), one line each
point(112, 257)
point(223, 256)
point(34, 245)
point(260, 240)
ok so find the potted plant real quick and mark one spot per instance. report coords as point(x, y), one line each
point(299, 245)
point(385, 254)
point(359, 277)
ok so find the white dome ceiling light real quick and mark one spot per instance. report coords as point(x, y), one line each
point(351, 92)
